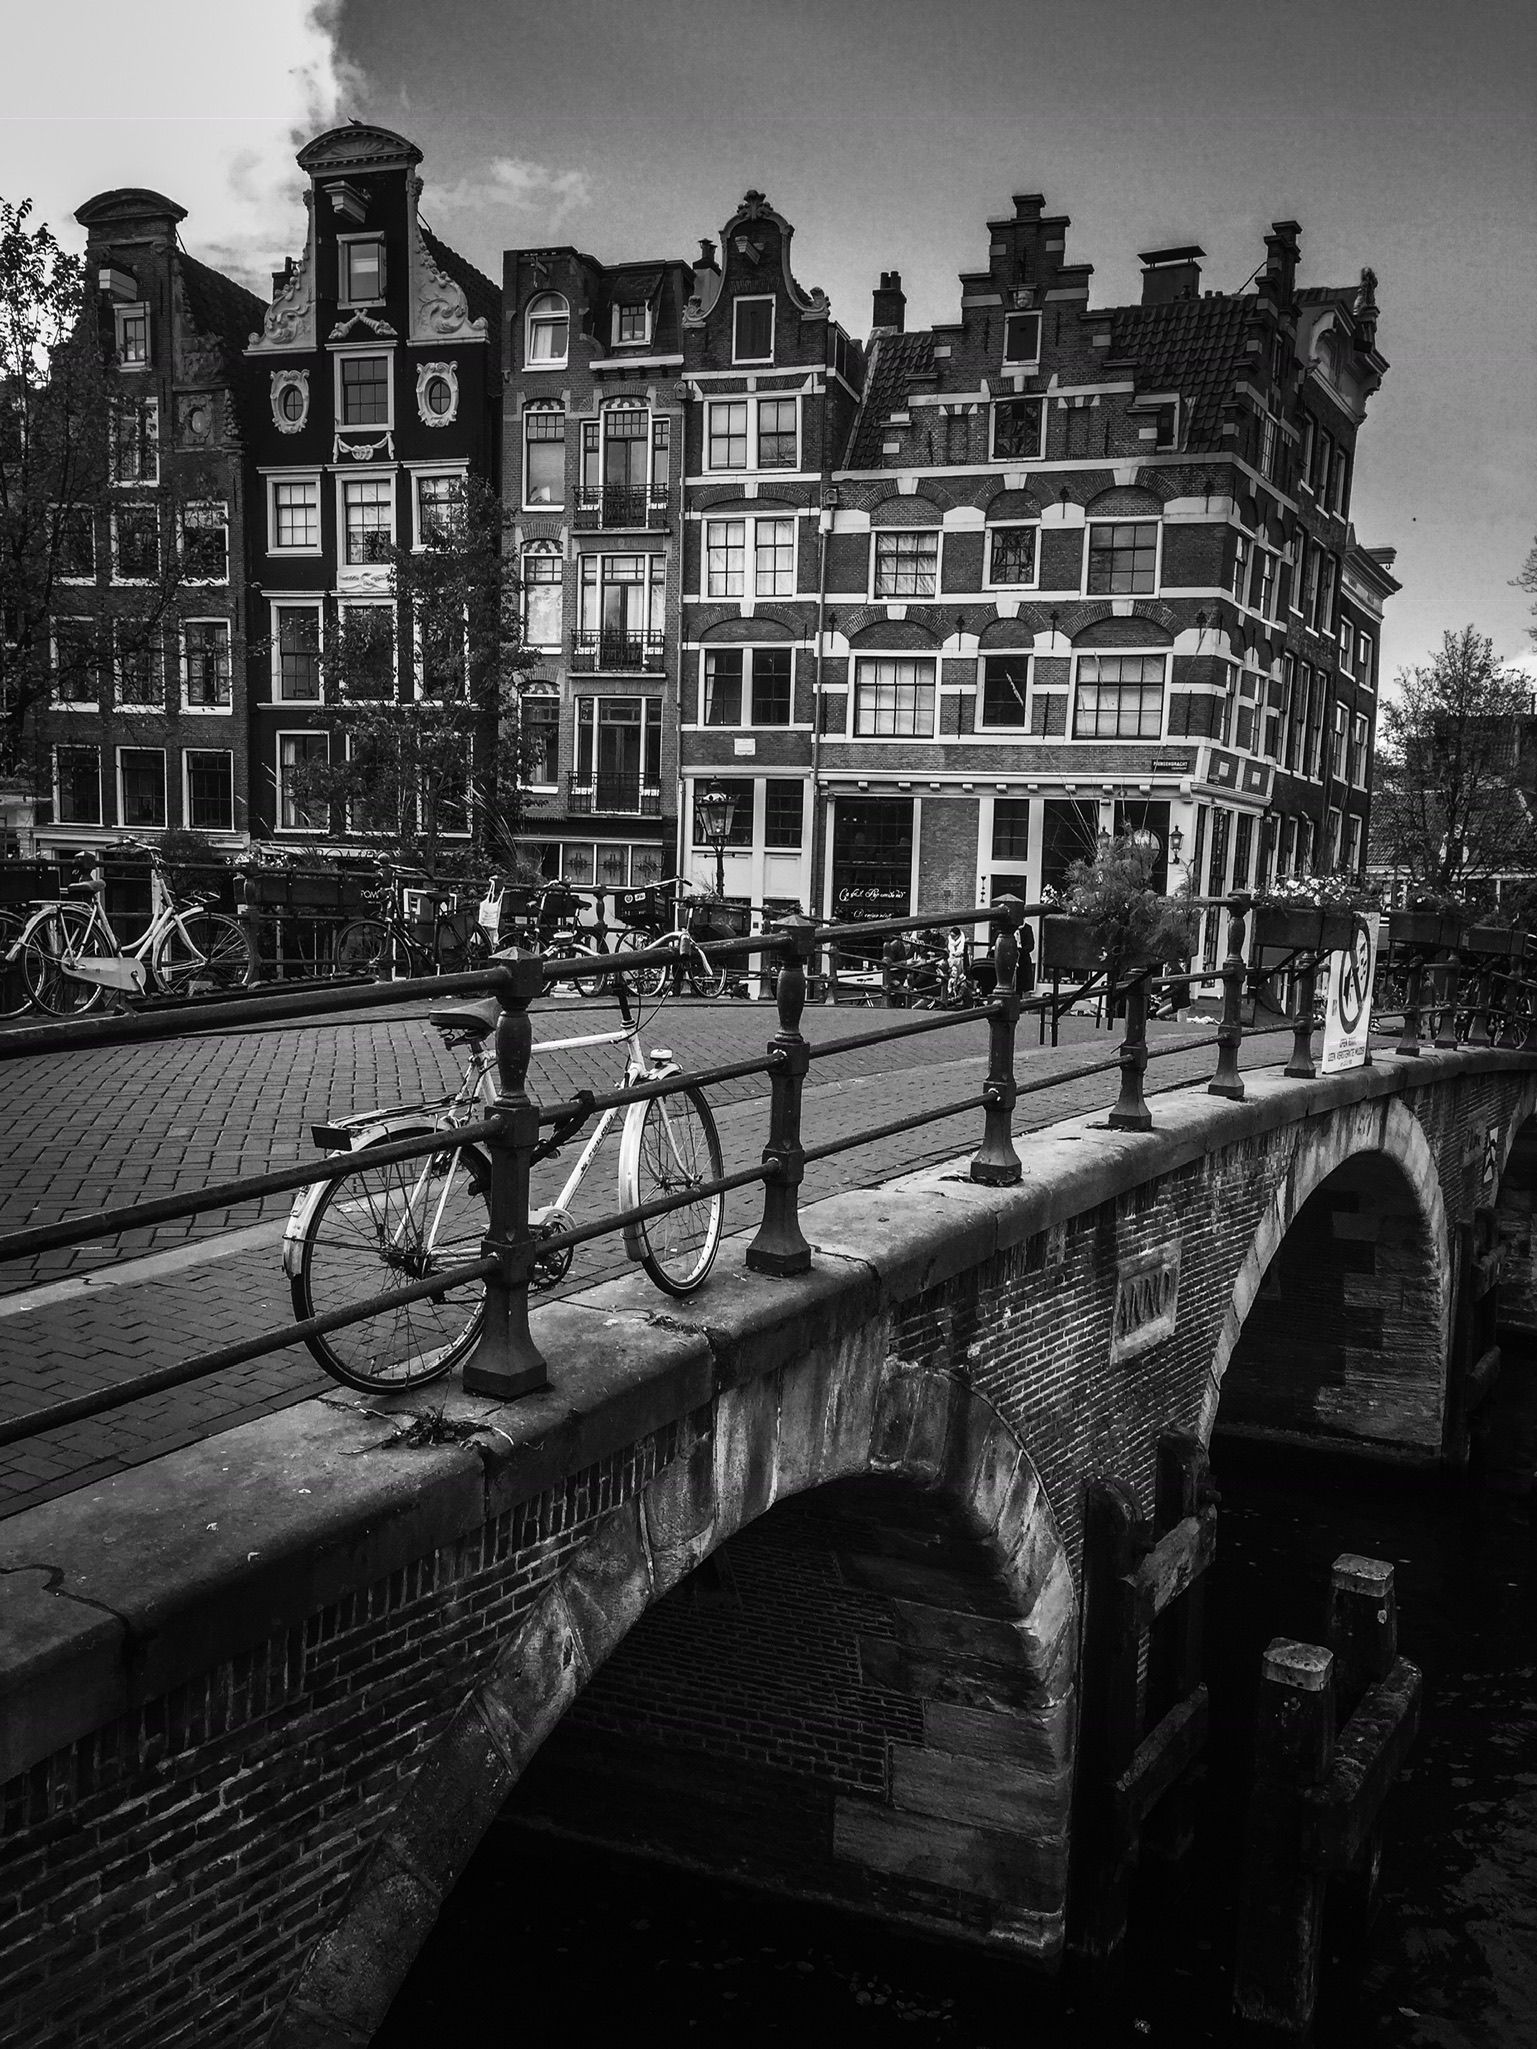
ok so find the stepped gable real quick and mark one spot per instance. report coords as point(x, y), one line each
point(897, 359)
point(1192, 346)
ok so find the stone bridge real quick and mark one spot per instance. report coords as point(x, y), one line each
point(783, 1582)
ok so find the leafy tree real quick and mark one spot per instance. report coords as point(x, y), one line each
point(428, 698)
point(1453, 790)
point(1527, 581)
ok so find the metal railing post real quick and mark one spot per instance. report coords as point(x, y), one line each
point(1131, 1112)
point(1483, 1000)
point(248, 916)
point(780, 1246)
point(1408, 1046)
point(996, 1164)
point(1300, 1066)
point(1227, 1081)
point(1449, 972)
point(506, 1362)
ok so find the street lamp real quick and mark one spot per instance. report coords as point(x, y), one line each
point(715, 810)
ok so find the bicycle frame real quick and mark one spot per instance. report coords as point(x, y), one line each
point(123, 968)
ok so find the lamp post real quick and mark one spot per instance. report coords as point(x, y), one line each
point(715, 811)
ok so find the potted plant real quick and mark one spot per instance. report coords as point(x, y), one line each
point(1428, 925)
point(1310, 914)
point(1114, 918)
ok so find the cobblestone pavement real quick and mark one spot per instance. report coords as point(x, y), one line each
point(84, 1131)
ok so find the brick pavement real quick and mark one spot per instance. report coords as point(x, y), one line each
point(146, 1120)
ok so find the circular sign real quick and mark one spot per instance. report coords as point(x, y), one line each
point(1356, 976)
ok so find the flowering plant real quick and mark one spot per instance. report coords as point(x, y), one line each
point(1113, 893)
point(1317, 892)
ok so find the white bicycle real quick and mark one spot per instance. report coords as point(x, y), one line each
point(392, 1224)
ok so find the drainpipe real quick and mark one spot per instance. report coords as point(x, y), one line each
point(824, 527)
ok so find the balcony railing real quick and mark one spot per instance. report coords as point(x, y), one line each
point(642, 652)
point(626, 795)
point(620, 505)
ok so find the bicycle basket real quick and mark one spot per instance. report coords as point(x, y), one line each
point(639, 908)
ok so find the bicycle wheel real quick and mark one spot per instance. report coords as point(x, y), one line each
point(385, 1227)
point(671, 1145)
point(363, 950)
point(705, 978)
point(459, 948)
point(65, 930)
point(585, 984)
point(14, 995)
point(206, 950)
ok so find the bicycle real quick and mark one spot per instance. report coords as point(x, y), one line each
point(394, 1224)
point(368, 948)
point(70, 955)
point(644, 915)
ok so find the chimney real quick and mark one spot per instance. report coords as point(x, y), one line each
point(705, 265)
point(888, 312)
point(280, 277)
point(1281, 249)
point(1169, 274)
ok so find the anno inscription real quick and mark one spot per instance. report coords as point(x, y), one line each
point(1146, 1301)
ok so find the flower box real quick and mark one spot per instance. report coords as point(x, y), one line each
point(1424, 931)
point(1302, 928)
point(1493, 939)
point(1070, 946)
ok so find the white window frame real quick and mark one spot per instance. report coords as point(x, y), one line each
point(298, 733)
point(220, 711)
point(856, 682)
point(365, 576)
point(877, 534)
point(344, 246)
point(351, 603)
point(147, 409)
point(120, 318)
point(752, 587)
point(1016, 728)
point(120, 512)
point(1361, 739)
point(132, 747)
point(751, 465)
point(71, 704)
point(1022, 363)
point(744, 722)
point(755, 430)
point(281, 477)
point(634, 341)
point(221, 506)
point(1139, 654)
point(77, 747)
point(186, 788)
point(419, 471)
point(1137, 519)
point(1366, 659)
point(531, 316)
point(1010, 398)
point(297, 603)
point(754, 299)
point(550, 411)
point(1012, 526)
point(355, 354)
point(544, 551)
point(156, 671)
point(59, 512)
point(546, 696)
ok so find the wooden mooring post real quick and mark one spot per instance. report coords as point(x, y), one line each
point(1316, 1802)
point(1134, 1748)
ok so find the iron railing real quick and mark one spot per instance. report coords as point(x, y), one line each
point(643, 653)
point(1499, 1009)
point(625, 796)
point(620, 505)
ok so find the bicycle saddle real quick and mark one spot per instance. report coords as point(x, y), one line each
point(94, 888)
point(475, 1020)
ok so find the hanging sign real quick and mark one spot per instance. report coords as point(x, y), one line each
point(1348, 1007)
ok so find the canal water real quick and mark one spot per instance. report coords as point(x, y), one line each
point(541, 1940)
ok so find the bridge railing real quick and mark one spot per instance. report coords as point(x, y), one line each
point(506, 1361)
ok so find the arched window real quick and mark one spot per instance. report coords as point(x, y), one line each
point(542, 577)
point(548, 324)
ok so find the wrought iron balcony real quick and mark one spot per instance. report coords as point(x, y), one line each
point(641, 653)
point(620, 505)
point(624, 795)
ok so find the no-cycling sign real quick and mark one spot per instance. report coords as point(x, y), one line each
point(1348, 1006)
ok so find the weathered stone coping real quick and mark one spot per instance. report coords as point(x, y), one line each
point(112, 1595)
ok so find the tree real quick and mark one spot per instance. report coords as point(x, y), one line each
point(428, 692)
point(1527, 581)
point(70, 436)
point(1453, 793)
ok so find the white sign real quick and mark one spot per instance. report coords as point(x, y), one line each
point(747, 746)
point(1348, 1009)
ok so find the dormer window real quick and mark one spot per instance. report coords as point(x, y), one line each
point(752, 333)
point(362, 270)
point(132, 333)
point(632, 323)
point(1022, 338)
point(548, 329)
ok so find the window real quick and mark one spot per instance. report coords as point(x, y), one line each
point(1275, 717)
point(1122, 557)
point(74, 663)
point(777, 439)
point(136, 543)
point(1011, 829)
point(1323, 464)
point(1018, 429)
point(752, 331)
point(77, 785)
point(1119, 697)
point(136, 442)
point(907, 563)
point(774, 558)
point(362, 270)
point(1021, 337)
point(141, 786)
point(771, 686)
point(725, 556)
point(290, 399)
point(784, 809)
point(547, 324)
point(1360, 754)
point(368, 518)
point(1305, 465)
point(622, 610)
point(296, 653)
point(1365, 652)
point(619, 753)
point(1011, 555)
point(894, 696)
point(1240, 567)
point(740, 790)
point(544, 456)
point(131, 329)
point(366, 654)
point(1261, 581)
point(1332, 840)
point(76, 531)
point(1243, 843)
point(1327, 585)
point(440, 506)
point(1270, 442)
point(1339, 743)
point(632, 323)
point(1158, 422)
point(755, 680)
point(542, 606)
point(661, 460)
point(299, 808)
point(1353, 846)
point(205, 543)
point(541, 741)
point(208, 797)
point(437, 396)
point(205, 664)
point(365, 391)
point(295, 518)
point(722, 687)
point(135, 669)
point(616, 451)
point(1004, 682)
point(727, 448)
point(1310, 570)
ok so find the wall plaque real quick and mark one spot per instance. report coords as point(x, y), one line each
point(1146, 1302)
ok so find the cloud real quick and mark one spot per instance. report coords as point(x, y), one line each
point(514, 185)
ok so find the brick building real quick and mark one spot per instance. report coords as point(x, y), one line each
point(592, 459)
point(145, 728)
point(374, 372)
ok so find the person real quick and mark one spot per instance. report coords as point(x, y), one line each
point(957, 965)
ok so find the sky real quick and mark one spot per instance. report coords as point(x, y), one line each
point(1400, 133)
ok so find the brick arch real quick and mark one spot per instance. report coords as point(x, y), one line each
point(1140, 630)
point(894, 634)
point(762, 626)
point(907, 511)
point(806, 1431)
point(1125, 501)
point(1378, 1148)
